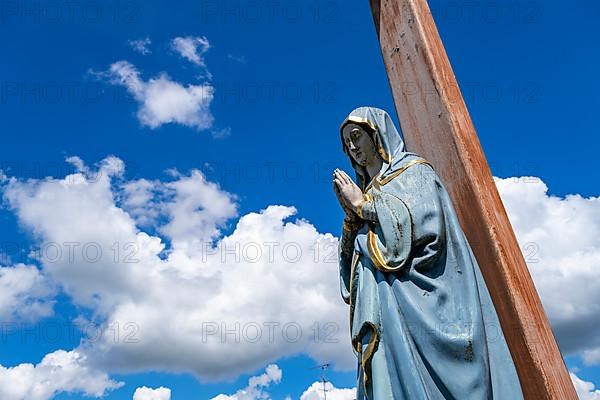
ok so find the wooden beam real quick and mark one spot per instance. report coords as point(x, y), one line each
point(436, 124)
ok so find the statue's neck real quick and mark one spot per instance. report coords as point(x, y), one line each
point(374, 168)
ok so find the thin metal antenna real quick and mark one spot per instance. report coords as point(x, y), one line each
point(323, 367)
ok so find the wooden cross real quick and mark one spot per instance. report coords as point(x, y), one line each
point(436, 125)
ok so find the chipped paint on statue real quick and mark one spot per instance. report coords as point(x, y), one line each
point(422, 321)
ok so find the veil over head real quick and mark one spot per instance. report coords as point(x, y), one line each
point(408, 270)
point(388, 141)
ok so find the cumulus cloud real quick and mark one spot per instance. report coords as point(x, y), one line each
point(257, 386)
point(318, 391)
point(190, 297)
point(163, 100)
point(585, 390)
point(192, 48)
point(196, 215)
point(560, 239)
point(146, 393)
point(58, 372)
point(141, 46)
point(137, 199)
point(193, 298)
point(25, 294)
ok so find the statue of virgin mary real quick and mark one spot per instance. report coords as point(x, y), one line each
point(422, 322)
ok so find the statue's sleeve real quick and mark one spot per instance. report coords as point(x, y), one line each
point(366, 209)
point(410, 225)
point(346, 255)
point(389, 239)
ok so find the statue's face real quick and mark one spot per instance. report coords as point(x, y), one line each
point(359, 144)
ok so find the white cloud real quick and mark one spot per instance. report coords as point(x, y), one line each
point(138, 200)
point(58, 372)
point(178, 290)
point(560, 239)
point(221, 133)
point(79, 210)
point(257, 386)
point(316, 392)
point(240, 59)
point(192, 48)
point(141, 45)
point(146, 393)
point(164, 101)
point(25, 294)
point(585, 390)
point(194, 290)
point(77, 162)
point(591, 356)
point(195, 215)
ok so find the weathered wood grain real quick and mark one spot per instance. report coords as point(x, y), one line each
point(437, 125)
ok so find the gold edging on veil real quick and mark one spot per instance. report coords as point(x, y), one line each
point(352, 268)
point(387, 179)
point(376, 255)
point(358, 120)
point(365, 122)
point(368, 354)
point(366, 198)
point(374, 251)
point(377, 182)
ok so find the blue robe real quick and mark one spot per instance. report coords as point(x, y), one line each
point(422, 321)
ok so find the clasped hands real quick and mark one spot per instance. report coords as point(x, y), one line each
point(348, 194)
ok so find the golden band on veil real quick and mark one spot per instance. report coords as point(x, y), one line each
point(372, 129)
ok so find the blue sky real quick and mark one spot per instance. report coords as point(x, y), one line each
point(281, 81)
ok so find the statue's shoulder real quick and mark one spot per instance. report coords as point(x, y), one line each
point(410, 167)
